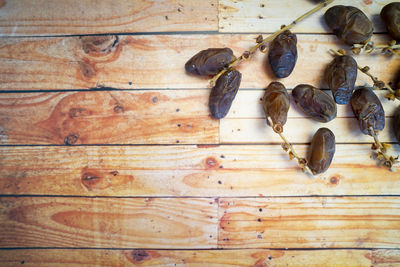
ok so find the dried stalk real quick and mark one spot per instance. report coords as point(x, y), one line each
point(247, 54)
point(378, 84)
point(390, 48)
point(287, 147)
point(388, 161)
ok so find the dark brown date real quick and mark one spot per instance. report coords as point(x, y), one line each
point(276, 103)
point(390, 15)
point(341, 75)
point(349, 24)
point(224, 92)
point(368, 110)
point(210, 61)
point(314, 102)
point(396, 124)
point(282, 55)
point(321, 151)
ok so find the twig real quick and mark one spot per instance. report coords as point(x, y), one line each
point(389, 48)
point(388, 161)
point(287, 147)
point(247, 54)
point(377, 83)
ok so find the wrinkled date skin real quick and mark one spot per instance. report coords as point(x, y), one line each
point(282, 55)
point(368, 110)
point(341, 75)
point(224, 92)
point(390, 15)
point(314, 102)
point(396, 124)
point(276, 103)
point(349, 24)
point(322, 150)
point(210, 61)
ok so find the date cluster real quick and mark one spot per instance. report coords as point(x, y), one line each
point(351, 26)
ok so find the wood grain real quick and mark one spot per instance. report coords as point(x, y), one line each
point(107, 117)
point(157, 61)
point(247, 104)
point(297, 130)
point(269, 15)
point(385, 257)
point(263, 170)
point(108, 222)
point(40, 17)
point(214, 258)
point(339, 222)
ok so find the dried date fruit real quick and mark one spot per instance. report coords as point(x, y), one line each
point(396, 124)
point(321, 151)
point(314, 102)
point(276, 103)
point(282, 55)
point(349, 24)
point(210, 61)
point(341, 75)
point(390, 15)
point(368, 110)
point(224, 92)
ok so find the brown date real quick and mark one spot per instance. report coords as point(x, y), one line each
point(341, 75)
point(349, 24)
point(368, 110)
point(224, 92)
point(282, 55)
point(314, 102)
point(390, 15)
point(276, 103)
point(321, 151)
point(210, 61)
point(396, 124)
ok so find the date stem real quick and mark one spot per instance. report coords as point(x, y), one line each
point(388, 161)
point(377, 83)
point(247, 54)
point(389, 48)
point(287, 147)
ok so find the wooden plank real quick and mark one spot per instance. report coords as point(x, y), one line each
point(263, 170)
point(107, 117)
point(108, 222)
point(297, 130)
point(269, 15)
point(385, 257)
point(247, 104)
point(38, 17)
point(152, 62)
point(243, 257)
point(327, 222)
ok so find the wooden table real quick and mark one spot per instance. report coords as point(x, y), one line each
point(109, 156)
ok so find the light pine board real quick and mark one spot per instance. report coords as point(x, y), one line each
point(108, 222)
point(247, 104)
point(157, 61)
point(297, 130)
point(340, 222)
point(269, 15)
point(263, 170)
point(107, 117)
point(52, 17)
point(214, 258)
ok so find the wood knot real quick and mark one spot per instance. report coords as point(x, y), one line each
point(90, 179)
point(87, 70)
point(140, 255)
point(75, 112)
point(71, 139)
point(334, 180)
point(119, 109)
point(99, 45)
point(211, 163)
